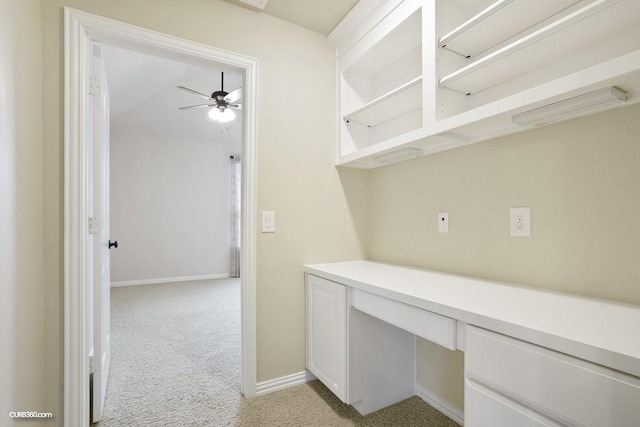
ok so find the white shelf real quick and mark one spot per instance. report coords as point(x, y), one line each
point(395, 103)
point(499, 22)
point(473, 22)
point(572, 33)
point(385, 50)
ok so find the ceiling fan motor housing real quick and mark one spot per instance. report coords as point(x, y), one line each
point(219, 97)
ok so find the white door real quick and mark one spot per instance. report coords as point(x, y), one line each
point(100, 245)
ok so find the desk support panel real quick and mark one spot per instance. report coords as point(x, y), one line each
point(382, 363)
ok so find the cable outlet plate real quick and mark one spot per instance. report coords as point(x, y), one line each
point(520, 220)
point(443, 222)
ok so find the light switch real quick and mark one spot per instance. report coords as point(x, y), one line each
point(268, 222)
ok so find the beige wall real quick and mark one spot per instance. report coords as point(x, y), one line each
point(582, 181)
point(21, 217)
point(315, 219)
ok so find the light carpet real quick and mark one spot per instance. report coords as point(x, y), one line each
point(176, 362)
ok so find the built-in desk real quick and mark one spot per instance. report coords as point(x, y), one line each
point(532, 357)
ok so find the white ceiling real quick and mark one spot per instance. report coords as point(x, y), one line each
point(317, 15)
point(141, 81)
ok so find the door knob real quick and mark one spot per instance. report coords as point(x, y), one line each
point(114, 244)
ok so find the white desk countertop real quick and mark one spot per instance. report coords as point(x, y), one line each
point(601, 331)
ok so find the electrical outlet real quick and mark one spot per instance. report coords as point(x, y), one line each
point(443, 222)
point(520, 219)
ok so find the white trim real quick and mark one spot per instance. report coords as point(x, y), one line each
point(80, 30)
point(169, 280)
point(441, 405)
point(281, 383)
point(257, 5)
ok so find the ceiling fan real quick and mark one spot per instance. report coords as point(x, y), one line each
point(221, 103)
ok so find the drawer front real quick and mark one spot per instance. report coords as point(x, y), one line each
point(484, 407)
point(431, 326)
point(570, 390)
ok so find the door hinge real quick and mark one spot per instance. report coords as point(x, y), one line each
point(94, 86)
point(94, 225)
point(93, 364)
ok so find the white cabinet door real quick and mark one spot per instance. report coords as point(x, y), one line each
point(327, 333)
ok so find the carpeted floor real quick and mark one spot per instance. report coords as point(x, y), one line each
point(176, 362)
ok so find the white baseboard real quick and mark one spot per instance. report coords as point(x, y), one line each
point(445, 407)
point(169, 280)
point(281, 383)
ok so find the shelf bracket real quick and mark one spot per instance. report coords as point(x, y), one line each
point(349, 121)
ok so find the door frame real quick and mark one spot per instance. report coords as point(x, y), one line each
point(81, 29)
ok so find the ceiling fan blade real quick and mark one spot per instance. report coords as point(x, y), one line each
point(194, 91)
point(234, 96)
point(235, 106)
point(196, 106)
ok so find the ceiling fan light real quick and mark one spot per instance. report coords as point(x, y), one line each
point(226, 116)
point(215, 114)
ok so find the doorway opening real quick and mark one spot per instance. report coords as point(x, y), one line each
point(83, 30)
point(171, 182)
point(175, 183)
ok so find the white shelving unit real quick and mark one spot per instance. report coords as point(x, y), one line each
point(434, 75)
point(381, 81)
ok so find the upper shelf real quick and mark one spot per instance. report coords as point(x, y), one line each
point(395, 103)
point(498, 22)
point(572, 33)
point(400, 40)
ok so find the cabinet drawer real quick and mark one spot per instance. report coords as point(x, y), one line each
point(484, 407)
point(431, 326)
point(570, 390)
